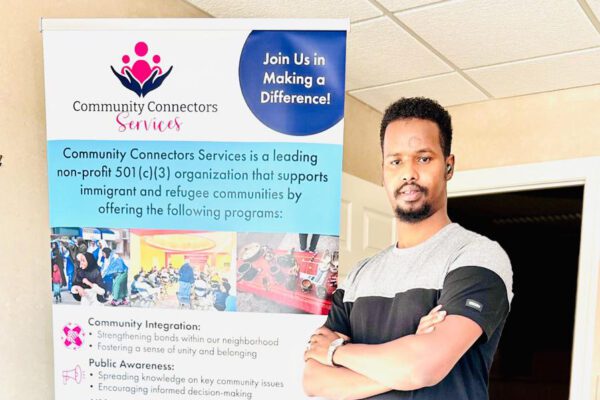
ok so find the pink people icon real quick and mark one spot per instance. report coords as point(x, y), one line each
point(141, 77)
point(141, 70)
point(73, 336)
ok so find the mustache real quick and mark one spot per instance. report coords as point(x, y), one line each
point(401, 188)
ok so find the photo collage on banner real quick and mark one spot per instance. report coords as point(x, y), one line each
point(194, 172)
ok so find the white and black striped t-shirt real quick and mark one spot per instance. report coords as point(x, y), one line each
point(386, 295)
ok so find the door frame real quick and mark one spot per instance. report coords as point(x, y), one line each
point(554, 174)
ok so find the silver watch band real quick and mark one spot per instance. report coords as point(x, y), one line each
point(332, 349)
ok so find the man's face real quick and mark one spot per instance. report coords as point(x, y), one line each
point(414, 169)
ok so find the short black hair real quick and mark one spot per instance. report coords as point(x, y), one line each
point(421, 108)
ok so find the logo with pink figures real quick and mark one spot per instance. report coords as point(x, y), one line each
point(141, 78)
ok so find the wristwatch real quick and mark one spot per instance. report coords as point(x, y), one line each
point(333, 346)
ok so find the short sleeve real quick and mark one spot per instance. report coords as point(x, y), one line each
point(338, 319)
point(479, 285)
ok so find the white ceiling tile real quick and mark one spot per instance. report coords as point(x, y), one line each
point(398, 5)
point(473, 33)
point(353, 9)
point(448, 89)
point(380, 52)
point(580, 68)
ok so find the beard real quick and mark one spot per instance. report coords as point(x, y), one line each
point(415, 215)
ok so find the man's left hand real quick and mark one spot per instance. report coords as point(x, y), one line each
point(318, 345)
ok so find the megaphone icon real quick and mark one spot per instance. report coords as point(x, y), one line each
point(75, 374)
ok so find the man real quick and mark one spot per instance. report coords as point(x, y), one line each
point(186, 280)
point(221, 295)
point(368, 346)
point(314, 239)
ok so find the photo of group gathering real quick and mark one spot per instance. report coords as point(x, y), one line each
point(143, 268)
point(286, 272)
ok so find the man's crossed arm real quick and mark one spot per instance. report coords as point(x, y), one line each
point(409, 363)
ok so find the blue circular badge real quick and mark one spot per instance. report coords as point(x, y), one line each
point(293, 81)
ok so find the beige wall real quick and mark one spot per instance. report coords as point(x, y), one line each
point(520, 130)
point(362, 153)
point(26, 370)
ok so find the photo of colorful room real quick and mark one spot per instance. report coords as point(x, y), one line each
point(182, 269)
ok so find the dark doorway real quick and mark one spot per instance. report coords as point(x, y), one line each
point(541, 232)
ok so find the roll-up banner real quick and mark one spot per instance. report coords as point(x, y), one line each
point(194, 172)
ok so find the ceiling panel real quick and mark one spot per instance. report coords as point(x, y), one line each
point(398, 5)
point(474, 33)
point(509, 47)
point(540, 75)
point(353, 9)
point(595, 6)
point(448, 89)
point(381, 52)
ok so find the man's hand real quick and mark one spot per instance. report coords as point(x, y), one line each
point(412, 361)
point(320, 379)
point(87, 282)
point(337, 383)
point(318, 345)
point(319, 342)
point(428, 322)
